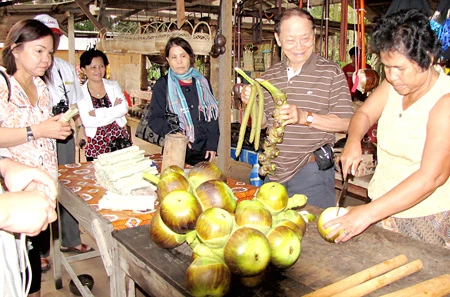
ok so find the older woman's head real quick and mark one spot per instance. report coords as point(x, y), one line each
point(179, 55)
point(408, 48)
point(409, 33)
point(29, 44)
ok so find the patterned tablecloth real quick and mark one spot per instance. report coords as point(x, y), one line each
point(80, 179)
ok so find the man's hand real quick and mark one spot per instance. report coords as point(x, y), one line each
point(292, 115)
point(245, 93)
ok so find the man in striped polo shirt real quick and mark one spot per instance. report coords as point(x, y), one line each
point(319, 104)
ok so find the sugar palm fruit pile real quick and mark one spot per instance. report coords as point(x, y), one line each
point(227, 237)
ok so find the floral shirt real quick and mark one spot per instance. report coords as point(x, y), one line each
point(17, 112)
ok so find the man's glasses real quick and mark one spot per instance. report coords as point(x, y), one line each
point(303, 41)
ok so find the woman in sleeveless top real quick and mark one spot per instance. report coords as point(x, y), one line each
point(410, 189)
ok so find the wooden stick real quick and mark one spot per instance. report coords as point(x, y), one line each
point(382, 280)
point(435, 287)
point(359, 277)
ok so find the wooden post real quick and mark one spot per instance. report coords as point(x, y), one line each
point(224, 94)
point(180, 13)
point(71, 37)
point(174, 151)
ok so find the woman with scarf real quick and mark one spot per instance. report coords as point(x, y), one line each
point(187, 93)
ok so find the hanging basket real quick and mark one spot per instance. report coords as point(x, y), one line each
point(123, 39)
point(201, 42)
point(165, 32)
point(144, 43)
point(162, 36)
point(100, 44)
point(179, 32)
point(105, 44)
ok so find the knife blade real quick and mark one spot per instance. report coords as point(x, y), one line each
point(342, 194)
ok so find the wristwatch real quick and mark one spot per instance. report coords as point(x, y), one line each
point(30, 135)
point(309, 118)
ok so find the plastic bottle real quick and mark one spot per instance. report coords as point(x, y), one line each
point(255, 180)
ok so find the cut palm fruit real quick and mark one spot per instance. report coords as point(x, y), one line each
point(70, 113)
point(150, 177)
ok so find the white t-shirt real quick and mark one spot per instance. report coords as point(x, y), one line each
point(64, 81)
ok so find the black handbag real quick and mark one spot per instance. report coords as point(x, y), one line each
point(144, 132)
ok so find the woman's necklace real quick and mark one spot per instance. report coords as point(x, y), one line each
point(93, 91)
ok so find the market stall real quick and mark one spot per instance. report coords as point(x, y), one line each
point(162, 272)
point(131, 258)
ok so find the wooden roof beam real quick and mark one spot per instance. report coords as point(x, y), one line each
point(127, 15)
point(94, 21)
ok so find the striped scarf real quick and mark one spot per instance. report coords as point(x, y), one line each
point(207, 104)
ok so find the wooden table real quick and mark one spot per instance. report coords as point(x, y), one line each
point(79, 194)
point(161, 272)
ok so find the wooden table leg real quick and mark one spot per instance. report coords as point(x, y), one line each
point(131, 286)
point(55, 233)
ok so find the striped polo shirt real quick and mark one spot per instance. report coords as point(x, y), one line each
point(321, 88)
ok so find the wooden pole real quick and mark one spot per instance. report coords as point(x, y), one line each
point(438, 286)
point(344, 28)
point(327, 20)
point(359, 277)
point(225, 87)
point(382, 280)
point(363, 37)
point(180, 13)
point(71, 37)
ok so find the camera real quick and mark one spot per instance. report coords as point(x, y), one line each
point(61, 107)
point(119, 143)
point(324, 157)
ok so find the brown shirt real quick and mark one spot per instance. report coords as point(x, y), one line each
point(321, 88)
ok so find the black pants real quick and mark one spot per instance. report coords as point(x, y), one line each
point(35, 263)
point(193, 157)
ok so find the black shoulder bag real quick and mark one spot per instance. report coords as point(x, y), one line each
point(144, 132)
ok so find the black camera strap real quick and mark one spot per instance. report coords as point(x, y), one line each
point(64, 88)
point(5, 76)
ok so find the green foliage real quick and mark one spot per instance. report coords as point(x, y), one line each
point(154, 72)
point(108, 23)
point(200, 65)
point(335, 13)
point(84, 26)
